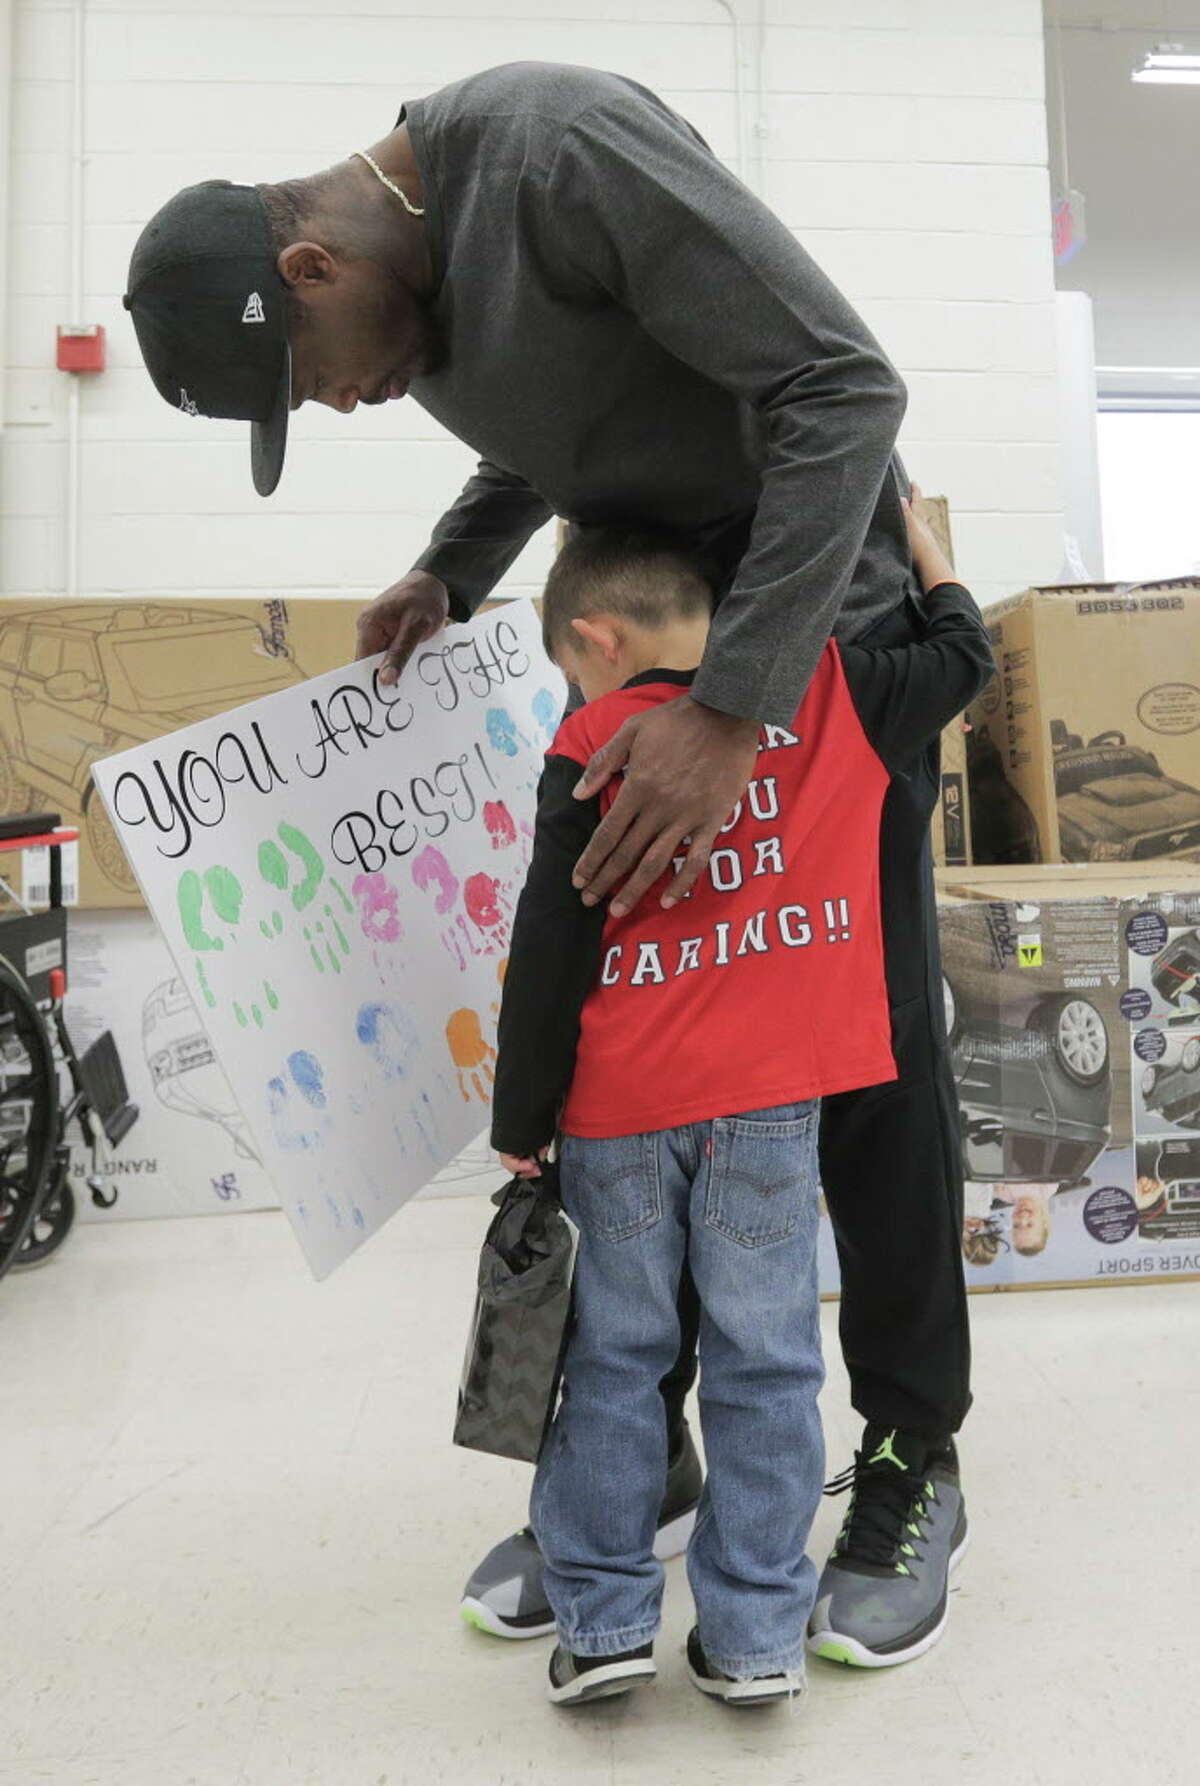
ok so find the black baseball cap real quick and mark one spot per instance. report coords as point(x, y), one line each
point(210, 311)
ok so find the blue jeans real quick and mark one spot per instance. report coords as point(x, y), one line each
point(737, 1198)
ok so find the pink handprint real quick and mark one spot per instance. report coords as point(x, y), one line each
point(378, 908)
point(432, 872)
point(432, 869)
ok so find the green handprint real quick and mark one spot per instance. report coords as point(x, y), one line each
point(274, 869)
point(273, 866)
point(224, 893)
point(220, 889)
point(256, 1010)
point(300, 845)
point(314, 936)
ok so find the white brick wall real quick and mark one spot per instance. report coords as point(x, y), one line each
point(905, 144)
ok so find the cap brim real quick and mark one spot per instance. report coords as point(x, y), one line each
point(268, 440)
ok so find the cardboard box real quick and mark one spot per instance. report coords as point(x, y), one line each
point(1073, 1007)
point(952, 815)
point(1085, 747)
point(1081, 1149)
point(83, 680)
point(189, 1153)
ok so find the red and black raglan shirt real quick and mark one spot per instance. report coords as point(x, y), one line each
point(766, 984)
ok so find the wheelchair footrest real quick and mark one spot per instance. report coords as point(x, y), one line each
point(103, 1080)
point(118, 1125)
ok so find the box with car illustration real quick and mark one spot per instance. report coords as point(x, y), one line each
point(1072, 1003)
point(190, 1152)
point(83, 680)
point(1085, 746)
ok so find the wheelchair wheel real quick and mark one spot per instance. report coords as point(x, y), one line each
point(53, 1221)
point(28, 1113)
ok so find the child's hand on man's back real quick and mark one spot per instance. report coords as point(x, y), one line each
point(929, 561)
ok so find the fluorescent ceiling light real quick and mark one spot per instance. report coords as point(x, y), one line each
point(1170, 65)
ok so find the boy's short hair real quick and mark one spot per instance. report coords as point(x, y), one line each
point(647, 575)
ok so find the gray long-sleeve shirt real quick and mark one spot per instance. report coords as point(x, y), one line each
point(632, 336)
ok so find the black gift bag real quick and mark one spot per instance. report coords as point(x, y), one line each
point(514, 1356)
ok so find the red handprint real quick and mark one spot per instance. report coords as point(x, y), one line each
point(489, 908)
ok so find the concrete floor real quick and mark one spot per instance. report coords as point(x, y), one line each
point(235, 1530)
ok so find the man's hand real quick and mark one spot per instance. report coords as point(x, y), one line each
point(400, 619)
point(687, 768)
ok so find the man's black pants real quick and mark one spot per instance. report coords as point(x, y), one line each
point(891, 1166)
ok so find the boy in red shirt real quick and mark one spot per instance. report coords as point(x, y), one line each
point(681, 1051)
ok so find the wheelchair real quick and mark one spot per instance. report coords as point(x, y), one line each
point(45, 1086)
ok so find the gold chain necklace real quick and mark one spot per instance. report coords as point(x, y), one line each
point(413, 210)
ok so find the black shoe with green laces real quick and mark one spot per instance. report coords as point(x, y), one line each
point(883, 1596)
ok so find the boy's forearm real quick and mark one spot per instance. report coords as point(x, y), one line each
point(539, 1027)
point(551, 968)
point(544, 993)
point(906, 694)
point(931, 564)
point(959, 652)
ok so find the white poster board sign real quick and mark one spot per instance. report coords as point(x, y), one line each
point(335, 869)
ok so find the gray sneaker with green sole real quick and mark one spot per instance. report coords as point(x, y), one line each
point(505, 1596)
point(883, 1597)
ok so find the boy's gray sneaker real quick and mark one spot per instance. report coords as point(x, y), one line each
point(883, 1596)
point(505, 1596)
point(763, 1689)
point(576, 1679)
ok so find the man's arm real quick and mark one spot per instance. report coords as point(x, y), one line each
point(472, 546)
point(905, 694)
point(552, 966)
point(639, 207)
point(481, 534)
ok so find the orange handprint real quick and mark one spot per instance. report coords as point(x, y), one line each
point(471, 1054)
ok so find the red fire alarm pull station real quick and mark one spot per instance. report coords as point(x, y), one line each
point(80, 347)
